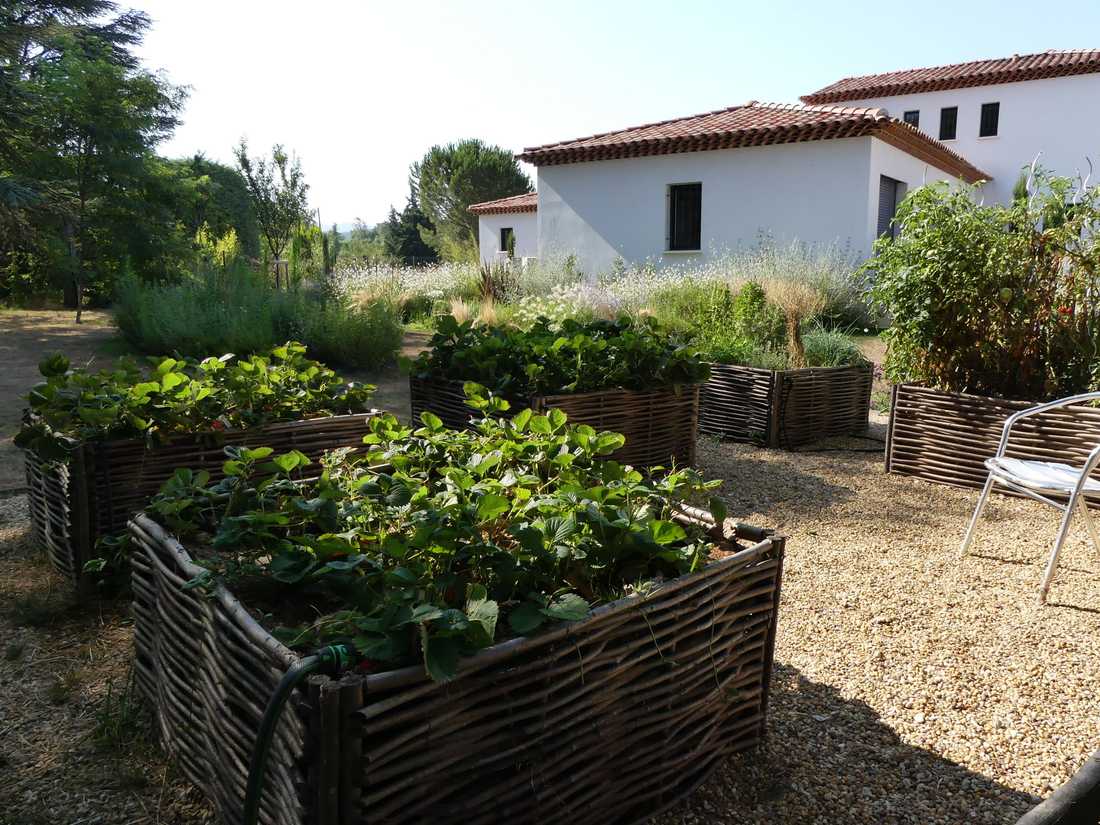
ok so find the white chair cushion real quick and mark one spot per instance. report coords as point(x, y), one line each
point(1039, 475)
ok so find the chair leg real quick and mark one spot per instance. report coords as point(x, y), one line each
point(1052, 563)
point(1089, 522)
point(974, 518)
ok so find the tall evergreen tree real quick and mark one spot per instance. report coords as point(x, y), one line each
point(404, 236)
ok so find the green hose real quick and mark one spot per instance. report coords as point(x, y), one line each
point(332, 659)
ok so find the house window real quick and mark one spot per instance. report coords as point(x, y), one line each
point(991, 115)
point(890, 193)
point(685, 208)
point(912, 118)
point(507, 240)
point(949, 122)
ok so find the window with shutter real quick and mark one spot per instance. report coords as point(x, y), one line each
point(949, 122)
point(685, 216)
point(991, 115)
point(912, 118)
point(888, 190)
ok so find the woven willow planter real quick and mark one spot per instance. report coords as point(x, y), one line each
point(104, 483)
point(785, 408)
point(603, 721)
point(946, 437)
point(660, 425)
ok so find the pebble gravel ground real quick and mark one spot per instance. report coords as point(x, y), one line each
point(909, 687)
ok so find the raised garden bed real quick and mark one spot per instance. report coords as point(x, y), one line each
point(94, 493)
point(606, 720)
point(785, 408)
point(659, 425)
point(946, 437)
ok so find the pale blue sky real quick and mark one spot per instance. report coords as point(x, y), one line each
point(362, 89)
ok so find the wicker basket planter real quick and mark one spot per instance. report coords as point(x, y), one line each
point(104, 483)
point(607, 720)
point(659, 425)
point(946, 437)
point(785, 408)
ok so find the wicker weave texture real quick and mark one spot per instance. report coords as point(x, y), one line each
point(660, 425)
point(785, 408)
point(105, 483)
point(604, 721)
point(946, 437)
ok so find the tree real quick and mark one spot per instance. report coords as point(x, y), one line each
point(79, 120)
point(450, 178)
point(278, 191)
point(403, 236)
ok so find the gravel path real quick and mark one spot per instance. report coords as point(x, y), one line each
point(910, 687)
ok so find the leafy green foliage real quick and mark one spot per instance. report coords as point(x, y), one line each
point(548, 359)
point(991, 299)
point(178, 396)
point(278, 192)
point(438, 543)
point(831, 348)
point(236, 310)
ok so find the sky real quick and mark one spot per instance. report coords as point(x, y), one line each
point(360, 90)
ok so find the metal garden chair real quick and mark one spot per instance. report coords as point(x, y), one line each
point(1040, 480)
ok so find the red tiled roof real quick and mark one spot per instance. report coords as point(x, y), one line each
point(960, 75)
point(754, 124)
point(517, 203)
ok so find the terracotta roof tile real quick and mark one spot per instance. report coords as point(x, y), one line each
point(960, 75)
point(753, 124)
point(517, 203)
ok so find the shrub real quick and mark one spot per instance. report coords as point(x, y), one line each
point(546, 359)
point(180, 397)
point(996, 300)
point(238, 311)
point(753, 318)
point(437, 543)
point(831, 348)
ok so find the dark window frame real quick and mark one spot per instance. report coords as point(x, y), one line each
point(685, 217)
point(994, 121)
point(912, 117)
point(954, 122)
point(504, 242)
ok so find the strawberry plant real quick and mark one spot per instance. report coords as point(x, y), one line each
point(438, 543)
point(567, 357)
point(180, 396)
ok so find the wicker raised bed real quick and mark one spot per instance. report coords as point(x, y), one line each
point(785, 408)
point(659, 425)
point(946, 437)
point(104, 483)
point(607, 720)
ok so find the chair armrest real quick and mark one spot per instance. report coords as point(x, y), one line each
point(1039, 408)
point(1090, 464)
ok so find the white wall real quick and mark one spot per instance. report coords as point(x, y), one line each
point(818, 191)
point(1057, 116)
point(524, 224)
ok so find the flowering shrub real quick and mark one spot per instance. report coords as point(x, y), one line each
point(580, 301)
point(996, 300)
point(438, 543)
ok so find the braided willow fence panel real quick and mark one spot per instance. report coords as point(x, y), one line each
point(946, 437)
point(104, 483)
point(785, 408)
point(608, 720)
point(660, 425)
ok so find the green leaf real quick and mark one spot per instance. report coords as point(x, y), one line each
point(718, 510)
point(607, 443)
point(482, 613)
point(667, 532)
point(540, 424)
point(526, 619)
point(431, 421)
point(491, 505)
point(520, 419)
point(53, 365)
point(257, 453)
point(567, 608)
point(440, 656)
point(557, 418)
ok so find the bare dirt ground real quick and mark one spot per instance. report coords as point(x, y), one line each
point(26, 336)
point(910, 687)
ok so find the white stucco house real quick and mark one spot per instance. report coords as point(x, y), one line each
point(829, 170)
